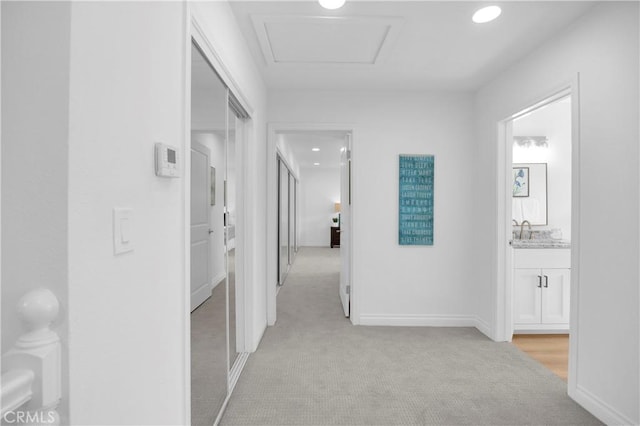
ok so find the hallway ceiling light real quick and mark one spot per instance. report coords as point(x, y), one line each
point(486, 14)
point(316, 164)
point(331, 4)
point(315, 149)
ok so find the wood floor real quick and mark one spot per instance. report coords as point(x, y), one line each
point(551, 350)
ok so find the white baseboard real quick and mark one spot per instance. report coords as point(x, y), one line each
point(217, 280)
point(419, 320)
point(483, 327)
point(603, 411)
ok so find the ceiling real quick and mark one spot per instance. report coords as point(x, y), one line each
point(330, 144)
point(394, 45)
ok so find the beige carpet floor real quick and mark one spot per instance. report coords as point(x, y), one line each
point(315, 368)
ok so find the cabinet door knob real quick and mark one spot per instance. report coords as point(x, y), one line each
point(546, 281)
point(539, 281)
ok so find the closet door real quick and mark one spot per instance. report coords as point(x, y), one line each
point(232, 229)
point(283, 227)
point(292, 218)
point(209, 351)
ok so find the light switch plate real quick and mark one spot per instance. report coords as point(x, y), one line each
point(122, 230)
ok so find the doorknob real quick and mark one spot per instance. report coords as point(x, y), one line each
point(210, 231)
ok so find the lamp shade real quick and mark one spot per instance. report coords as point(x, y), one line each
point(337, 207)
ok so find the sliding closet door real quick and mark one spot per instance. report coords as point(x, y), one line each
point(292, 219)
point(209, 354)
point(284, 221)
point(232, 229)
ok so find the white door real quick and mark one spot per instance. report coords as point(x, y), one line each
point(201, 285)
point(527, 300)
point(345, 228)
point(555, 296)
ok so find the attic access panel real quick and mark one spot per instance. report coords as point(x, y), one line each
point(326, 40)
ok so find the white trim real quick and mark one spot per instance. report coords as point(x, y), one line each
point(483, 327)
point(217, 280)
point(186, 212)
point(272, 210)
point(576, 179)
point(422, 320)
point(603, 411)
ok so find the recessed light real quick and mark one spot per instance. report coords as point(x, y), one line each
point(486, 14)
point(315, 149)
point(316, 164)
point(331, 4)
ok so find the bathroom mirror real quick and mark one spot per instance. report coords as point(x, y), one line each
point(529, 197)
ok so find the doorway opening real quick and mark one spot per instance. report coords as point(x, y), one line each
point(538, 220)
point(310, 207)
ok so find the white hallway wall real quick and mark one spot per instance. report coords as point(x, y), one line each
point(319, 190)
point(603, 47)
point(394, 284)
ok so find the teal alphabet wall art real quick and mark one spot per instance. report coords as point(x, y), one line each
point(416, 185)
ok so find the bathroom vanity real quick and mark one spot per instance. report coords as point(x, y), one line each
point(541, 280)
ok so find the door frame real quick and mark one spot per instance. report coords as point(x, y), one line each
point(273, 129)
point(503, 289)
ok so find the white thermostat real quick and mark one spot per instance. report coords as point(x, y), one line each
point(167, 161)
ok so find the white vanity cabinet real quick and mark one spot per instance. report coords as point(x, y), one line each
point(541, 286)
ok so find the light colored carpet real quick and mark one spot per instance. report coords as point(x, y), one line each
point(314, 368)
point(209, 351)
point(208, 358)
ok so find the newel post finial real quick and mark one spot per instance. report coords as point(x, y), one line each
point(35, 363)
point(38, 309)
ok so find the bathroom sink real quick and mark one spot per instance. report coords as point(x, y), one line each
point(540, 243)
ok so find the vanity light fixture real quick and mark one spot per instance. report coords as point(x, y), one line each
point(529, 141)
point(315, 149)
point(331, 4)
point(486, 14)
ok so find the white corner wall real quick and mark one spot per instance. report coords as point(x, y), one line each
point(319, 191)
point(603, 47)
point(397, 285)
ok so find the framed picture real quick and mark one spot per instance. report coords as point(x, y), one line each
point(520, 181)
point(415, 204)
point(213, 185)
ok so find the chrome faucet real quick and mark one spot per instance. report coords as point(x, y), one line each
point(516, 222)
point(522, 228)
